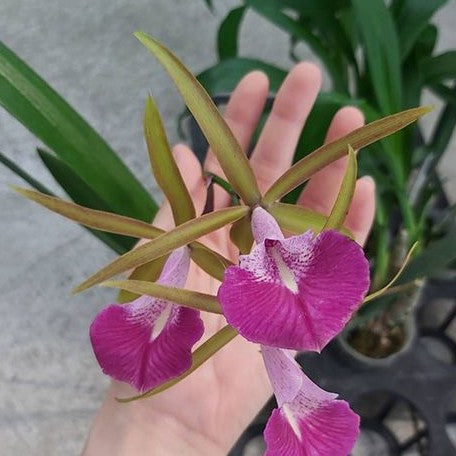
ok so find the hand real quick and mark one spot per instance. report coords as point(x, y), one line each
point(206, 413)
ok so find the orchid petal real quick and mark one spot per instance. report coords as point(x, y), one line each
point(295, 293)
point(264, 226)
point(309, 420)
point(148, 341)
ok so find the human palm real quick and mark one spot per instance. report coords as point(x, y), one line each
point(206, 412)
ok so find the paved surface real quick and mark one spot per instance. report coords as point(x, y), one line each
point(50, 385)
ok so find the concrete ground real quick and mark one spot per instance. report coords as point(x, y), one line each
point(50, 385)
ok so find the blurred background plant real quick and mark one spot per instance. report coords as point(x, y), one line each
point(380, 57)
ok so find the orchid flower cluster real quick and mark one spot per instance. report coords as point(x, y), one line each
point(287, 294)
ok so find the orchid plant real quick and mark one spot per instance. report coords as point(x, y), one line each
point(299, 280)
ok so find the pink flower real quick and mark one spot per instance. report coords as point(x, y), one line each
point(309, 420)
point(295, 293)
point(148, 341)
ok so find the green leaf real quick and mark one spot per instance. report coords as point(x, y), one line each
point(432, 260)
point(24, 174)
point(222, 141)
point(99, 220)
point(82, 194)
point(228, 34)
point(241, 235)
point(437, 69)
point(186, 298)
point(224, 76)
point(45, 114)
point(326, 154)
point(381, 48)
point(209, 261)
point(150, 271)
point(272, 11)
point(298, 219)
point(199, 357)
point(344, 198)
point(412, 17)
point(171, 240)
point(164, 167)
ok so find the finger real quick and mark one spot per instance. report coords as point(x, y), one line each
point(322, 189)
point(362, 209)
point(274, 151)
point(242, 114)
point(192, 175)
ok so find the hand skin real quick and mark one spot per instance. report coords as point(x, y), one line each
point(206, 413)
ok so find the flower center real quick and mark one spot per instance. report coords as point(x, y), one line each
point(161, 321)
point(285, 273)
point(292, 421)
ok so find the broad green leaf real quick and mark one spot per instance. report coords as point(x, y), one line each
point(445, 93)
point(412, 17)
point(164, 167)
point(209, 261)
point(241, 235)
point(199, 357)
point(272, 11)
point(16, 169)
point(41, 110)
point(298, 219)
point(434, 258)
point(150, 271)
point(179, 236)
point(82, 194)
point(326, 154)
point(222, 141)
point(381, 48)
point(438, 68)
point(92, 218)
point(344, 198)
point(228, 34)
point(187, 298)
point(224, 76)
point(383, 290)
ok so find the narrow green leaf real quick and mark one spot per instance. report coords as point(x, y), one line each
point(16, 169)
point(326, 154)
point(228, 33)
point(209, 261)
point(164, 167)
point(224, 76)
point(412, 17)
point(382, 291)
point(179, 236)
point(150, 271)
point(381, 49)
point(222, 141)
point(199, 357)
point(82, 194)
point(187, 298)
point(298, 219)
point(46, 114)
point(100, 220)
point(432, 260)
point(241, 235)
point(440, 67)
point(344, 198)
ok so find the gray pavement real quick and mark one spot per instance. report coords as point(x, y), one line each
point(50, 385)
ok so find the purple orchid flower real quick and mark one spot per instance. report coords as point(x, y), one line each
point(309, 420)
point(148, 341)
point(295, 293)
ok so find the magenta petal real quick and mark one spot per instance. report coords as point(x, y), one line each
point(309, 420)
point(148, 341)
point(296, 293)
point(123, 343)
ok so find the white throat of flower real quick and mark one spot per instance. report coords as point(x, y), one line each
point(292, 421)
point(286, 274)
point(161, 321)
